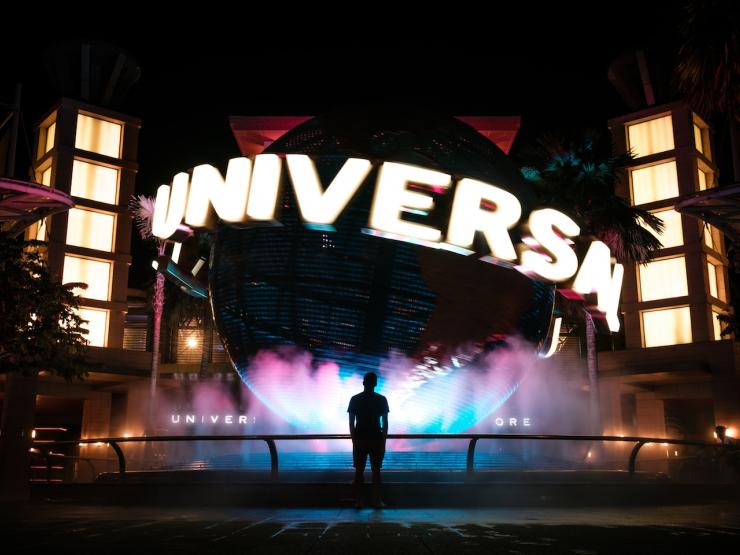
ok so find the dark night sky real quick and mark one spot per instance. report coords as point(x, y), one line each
point(547, 65)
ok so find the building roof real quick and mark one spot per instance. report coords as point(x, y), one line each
point(22, 203)
point(719, 207)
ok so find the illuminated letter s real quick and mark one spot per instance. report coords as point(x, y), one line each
point(563, 263)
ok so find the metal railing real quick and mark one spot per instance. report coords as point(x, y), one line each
point(115, 444)
point(49, 455)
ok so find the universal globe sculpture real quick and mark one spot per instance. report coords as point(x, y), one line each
point(352, 298)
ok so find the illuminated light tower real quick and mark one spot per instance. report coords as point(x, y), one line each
point(89, 152)
point(671, 305)
point(676, 298)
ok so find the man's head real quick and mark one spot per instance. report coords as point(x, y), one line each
point(370, 380)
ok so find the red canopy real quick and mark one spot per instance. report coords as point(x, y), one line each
point(255, 133)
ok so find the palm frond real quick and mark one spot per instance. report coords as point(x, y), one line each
point(141, 208)
point(577, 175)
point(708, 69)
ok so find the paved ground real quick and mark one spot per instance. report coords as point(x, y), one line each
point(52, 528)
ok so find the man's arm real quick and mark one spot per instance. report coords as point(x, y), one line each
point(352, 410)
point(385, 417)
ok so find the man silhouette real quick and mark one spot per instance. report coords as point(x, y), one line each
point(366, 411)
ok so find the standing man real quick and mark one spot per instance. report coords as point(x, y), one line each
point(366, 411)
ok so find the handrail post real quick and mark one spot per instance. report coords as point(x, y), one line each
point(469, 465)
point(633, 456)
point(121, 460)
point(273, 458)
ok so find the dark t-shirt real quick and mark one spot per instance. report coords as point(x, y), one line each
point(368, 407)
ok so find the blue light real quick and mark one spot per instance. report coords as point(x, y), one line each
point(320, 227)
point(439, 400)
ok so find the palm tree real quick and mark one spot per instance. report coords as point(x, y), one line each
point(578, 176)
point(40, 330)
point(707, 72)
point(142, 209)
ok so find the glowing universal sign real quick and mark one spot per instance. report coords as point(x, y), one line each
point(250, 193)
point(177, 418)
point(243, 419)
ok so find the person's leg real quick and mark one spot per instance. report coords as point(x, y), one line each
point(359, 455)
point(377, 499)
point(376, 461)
